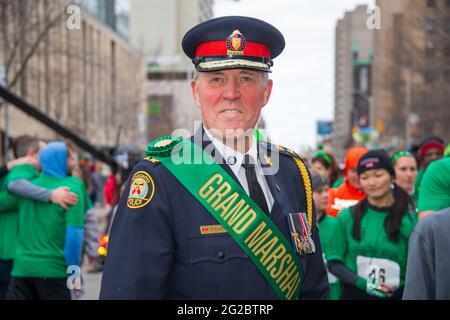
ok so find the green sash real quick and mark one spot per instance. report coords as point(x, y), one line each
point(240, 216)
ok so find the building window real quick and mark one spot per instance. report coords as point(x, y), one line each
point(430, 50)
point(364, 80)
point(447, 51)
point(430, 26)
point(447, 74)
point(447, 25)
point(430, 76)
point(431, 3)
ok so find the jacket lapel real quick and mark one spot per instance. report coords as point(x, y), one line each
point(270, 166)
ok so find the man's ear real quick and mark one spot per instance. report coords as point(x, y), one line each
point(267, 91)
point(31, 153)
point(195, 94)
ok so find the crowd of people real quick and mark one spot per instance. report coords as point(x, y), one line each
point(377, 238)
point(368, 218)
point(54, 211)
point(248, 222)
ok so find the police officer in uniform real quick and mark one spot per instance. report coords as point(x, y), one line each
point(237, 227)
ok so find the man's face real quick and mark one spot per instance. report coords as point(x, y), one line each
point(431, 155)
point(33, 155)
point(231, 99)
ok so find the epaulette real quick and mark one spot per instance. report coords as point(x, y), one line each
point(273, 147)
point(288, 152)
point(282, 150)
point(152, 160)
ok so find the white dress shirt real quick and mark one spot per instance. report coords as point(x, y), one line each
point(234, 160)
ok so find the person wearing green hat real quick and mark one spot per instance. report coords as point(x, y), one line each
point(325, 164)
point(405, 166)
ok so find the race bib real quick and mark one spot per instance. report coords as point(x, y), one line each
point(379, 270)
point(340, 204)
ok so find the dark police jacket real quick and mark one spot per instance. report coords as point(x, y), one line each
point(158, 252)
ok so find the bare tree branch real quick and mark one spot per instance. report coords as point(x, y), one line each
point(23, 65)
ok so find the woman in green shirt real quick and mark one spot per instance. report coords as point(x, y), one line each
point(369, 250)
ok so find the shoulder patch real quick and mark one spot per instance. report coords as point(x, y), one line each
point(142, 189)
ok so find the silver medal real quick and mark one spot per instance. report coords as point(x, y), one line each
point(313, 246)
point(306, 246)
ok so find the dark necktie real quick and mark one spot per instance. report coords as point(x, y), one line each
point(254, 187)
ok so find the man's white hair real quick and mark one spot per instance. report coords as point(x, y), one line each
point(263, 75)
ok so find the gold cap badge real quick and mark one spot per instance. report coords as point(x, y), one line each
point(236, 43)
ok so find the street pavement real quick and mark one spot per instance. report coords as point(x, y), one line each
point(92, 283)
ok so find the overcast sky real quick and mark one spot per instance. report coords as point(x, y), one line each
point(304, 73)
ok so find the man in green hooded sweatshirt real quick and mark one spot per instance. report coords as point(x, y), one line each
point(48, 243)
